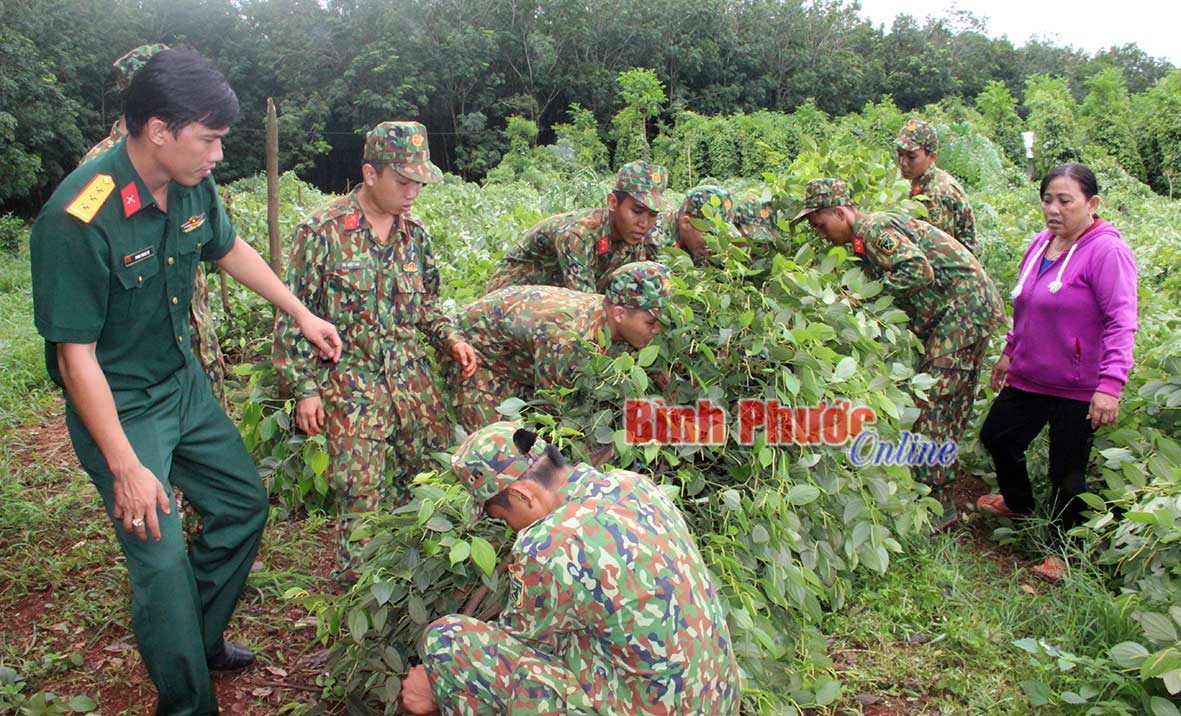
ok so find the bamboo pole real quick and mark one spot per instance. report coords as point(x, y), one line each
point(273, 187)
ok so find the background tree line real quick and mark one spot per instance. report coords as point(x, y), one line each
point(465, 68)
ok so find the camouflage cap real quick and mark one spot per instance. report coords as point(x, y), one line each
point(698, 197)
point(824, 194)
point(127, 65)
point(917, 134)
point(640, 284)
point(403, 146)
point(755, 219)
point(645, 183)
point(489, 461)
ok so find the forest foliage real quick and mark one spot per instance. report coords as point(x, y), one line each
point(465, 67)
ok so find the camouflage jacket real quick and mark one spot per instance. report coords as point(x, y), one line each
point(379, 297)
point(572, 250)
point(948, 208)
point(613, 582)
point(951, 301)
point(531, 334)
point(109, 141)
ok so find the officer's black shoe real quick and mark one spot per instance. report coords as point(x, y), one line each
point(231, 658)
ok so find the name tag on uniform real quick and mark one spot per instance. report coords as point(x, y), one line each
point(194, 223)
point(138, 256)
point(352, 265)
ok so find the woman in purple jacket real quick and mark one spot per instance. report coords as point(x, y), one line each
point(1068, 355)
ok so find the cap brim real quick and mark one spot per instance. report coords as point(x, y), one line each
point(801, 215)
point(422, 172)
point(650, 201)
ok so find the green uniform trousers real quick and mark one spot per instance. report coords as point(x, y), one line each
point(181, 601)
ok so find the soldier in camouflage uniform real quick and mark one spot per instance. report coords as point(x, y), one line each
point(367, 265)
point(611, 608)
point(125, 68)
point(204, 343)
point(952, 303)
point(948, 208)
point(755, 219)
point(532, 338)
point(685, 226)
point(578, 250)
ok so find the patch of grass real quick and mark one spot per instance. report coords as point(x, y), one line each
point(25, 388)
point(14, 255)
point(937, 630)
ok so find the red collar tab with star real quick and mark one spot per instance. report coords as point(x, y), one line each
point(858, 246)
point(604, 245)
point(352, 221)
point(130, 196)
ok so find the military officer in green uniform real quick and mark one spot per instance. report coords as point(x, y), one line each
point(611, 609)
point(952, 303)
point(531, 338)
point(203, 339)
point(367, 263)
point(948, 208)
point(113, 255)
point(688, 226)
point(579, 249)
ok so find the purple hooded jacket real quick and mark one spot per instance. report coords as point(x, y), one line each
point(1074, 338)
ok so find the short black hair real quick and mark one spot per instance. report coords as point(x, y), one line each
point(1081, 173)
point(544, 472)
point(179, 87)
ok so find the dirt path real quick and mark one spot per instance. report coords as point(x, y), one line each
point(94, 653)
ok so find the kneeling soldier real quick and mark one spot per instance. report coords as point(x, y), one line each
point(612, 610)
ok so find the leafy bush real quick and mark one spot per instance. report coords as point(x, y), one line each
point(13, 233)
point(786, 529)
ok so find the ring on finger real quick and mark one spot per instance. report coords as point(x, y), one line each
point(137, 522)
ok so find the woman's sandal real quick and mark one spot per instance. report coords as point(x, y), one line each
point(995, 504)
point(1052, 568)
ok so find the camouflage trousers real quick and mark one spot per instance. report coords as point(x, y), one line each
point(476, 398)
point(475, 669)
point(204, 342)
point(208, 354)
point(379, 438)
point(944, 414)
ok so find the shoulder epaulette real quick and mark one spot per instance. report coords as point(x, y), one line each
point(91, 199)
point(411, 219)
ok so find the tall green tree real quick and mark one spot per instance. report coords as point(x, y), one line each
point(1052, 119)
point(39, 138)
point(1140, 70)
point(1158, 123)
point(1106, 115)
point(642, 95)
point(999, 110)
